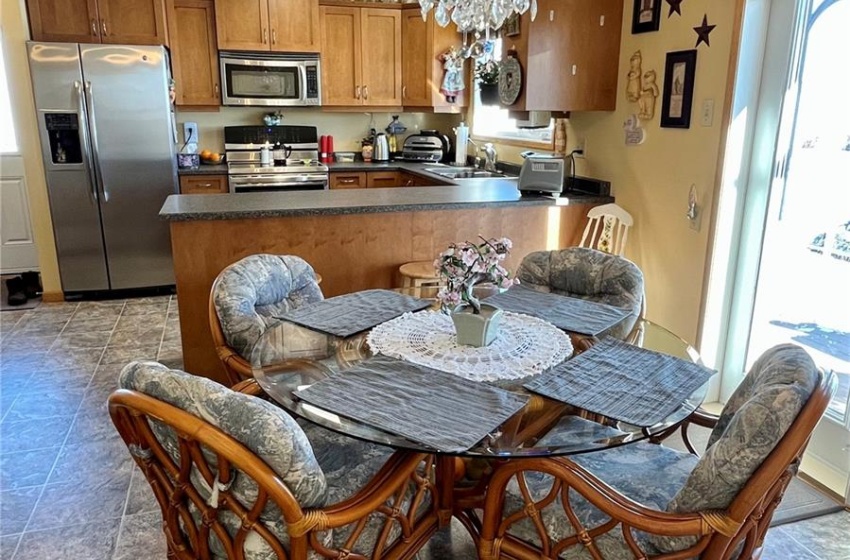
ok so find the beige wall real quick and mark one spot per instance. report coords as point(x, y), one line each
point(15, 33)
point(347, 128)
point(652, 180)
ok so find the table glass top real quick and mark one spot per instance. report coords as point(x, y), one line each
point(289, 357)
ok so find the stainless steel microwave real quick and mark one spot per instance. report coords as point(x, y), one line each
point(254, 79)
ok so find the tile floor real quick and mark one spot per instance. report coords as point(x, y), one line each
point(68, 488)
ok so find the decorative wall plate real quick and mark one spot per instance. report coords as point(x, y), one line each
point(510, 80)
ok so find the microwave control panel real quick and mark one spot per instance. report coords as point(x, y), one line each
point(312, 83)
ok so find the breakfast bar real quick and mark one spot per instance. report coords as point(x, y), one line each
point(355, 238)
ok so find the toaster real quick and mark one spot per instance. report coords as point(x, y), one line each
point(542, 174)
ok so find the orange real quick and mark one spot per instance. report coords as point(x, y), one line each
point(205, 154)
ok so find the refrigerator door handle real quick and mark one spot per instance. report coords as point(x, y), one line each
point(95, 153)
point(78, 86)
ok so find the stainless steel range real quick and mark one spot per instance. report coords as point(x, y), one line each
point(274, 158)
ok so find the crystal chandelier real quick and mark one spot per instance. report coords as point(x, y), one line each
point(476, 16)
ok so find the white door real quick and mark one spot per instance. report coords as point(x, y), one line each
point(17, 247)
point(793, 270)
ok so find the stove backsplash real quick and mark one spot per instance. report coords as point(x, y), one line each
point(347, 128)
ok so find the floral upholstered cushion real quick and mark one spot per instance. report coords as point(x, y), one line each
point(587, 274)
point(631, 469)
point(752, 423)
point(248, 294)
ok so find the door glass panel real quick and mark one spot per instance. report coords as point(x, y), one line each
point(803, 292)
point(8, 141)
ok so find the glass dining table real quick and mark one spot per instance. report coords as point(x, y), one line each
point(289, 358)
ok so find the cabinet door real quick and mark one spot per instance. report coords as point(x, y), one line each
point(341, 71)
point(69, 21)
point(194, 58)
point(416, 60)
point(242, 25)
point(132, 22)
point(295, 25)
point(383, 179)
point(598, 68)
point(203, 184)
point(346, 180)
point(381, 50)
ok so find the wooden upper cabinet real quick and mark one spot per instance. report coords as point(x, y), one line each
point(132, 22)
point(381, 56)
point(194, 56)
point(294, 25)
point(416, 62)
point(582, 40)
point(242, 25)
point(71, 21)
point(341, 72)
point(361, 56)
point(422, 74)
point(268, 25)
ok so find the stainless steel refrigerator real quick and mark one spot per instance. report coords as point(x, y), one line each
point(107, 138)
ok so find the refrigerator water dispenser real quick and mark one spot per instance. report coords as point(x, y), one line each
point(63, 133)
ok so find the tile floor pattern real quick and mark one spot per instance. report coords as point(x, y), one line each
point(68, 487)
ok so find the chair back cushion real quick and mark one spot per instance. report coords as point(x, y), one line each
point(248, 294)
point(260, 426)
point(752, 423)
point(587, 274)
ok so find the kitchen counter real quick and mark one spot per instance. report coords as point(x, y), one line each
point(473, 193)
point(205, 169)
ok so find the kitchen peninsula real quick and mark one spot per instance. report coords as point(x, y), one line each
point(354, 238)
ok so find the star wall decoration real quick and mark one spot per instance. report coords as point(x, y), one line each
point(703, 31)
point(675, 7)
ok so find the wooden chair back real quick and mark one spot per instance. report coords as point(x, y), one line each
point(188, 536)
point(607, 229)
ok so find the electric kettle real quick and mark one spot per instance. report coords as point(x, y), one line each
point(381, 151)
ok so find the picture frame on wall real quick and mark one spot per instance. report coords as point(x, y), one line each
point(678, 93)
point(646, 16)
point(511, 26)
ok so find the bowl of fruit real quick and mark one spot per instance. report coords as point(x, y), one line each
point(211, 158)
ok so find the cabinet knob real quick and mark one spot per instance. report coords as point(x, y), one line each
point(356, 92)
point(365, 92)
point(103, 27)
point(216, 89)
point(404, 92)
point(274, 36)
point(347, 181)
point(205, 185)
point(265, 36)
point(94, 27)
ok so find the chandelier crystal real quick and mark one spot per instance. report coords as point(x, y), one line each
point(476, 16)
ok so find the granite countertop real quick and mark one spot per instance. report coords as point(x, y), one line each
point(473, 193)
point(205, 169)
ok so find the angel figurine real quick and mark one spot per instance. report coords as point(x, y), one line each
point(453, 74)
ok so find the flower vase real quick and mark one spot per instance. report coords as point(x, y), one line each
point(477, 329)
point(489, 94)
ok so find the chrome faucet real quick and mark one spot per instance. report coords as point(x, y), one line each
point(491, 156)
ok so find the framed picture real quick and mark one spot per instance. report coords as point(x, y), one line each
point(677, 97)
point(646, 16)
point(511, 26)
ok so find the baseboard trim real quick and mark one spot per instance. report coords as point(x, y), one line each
point(52, 297)
point(822, 487)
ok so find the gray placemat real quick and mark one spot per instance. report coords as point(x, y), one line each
point(353, 313)
point(622, 381)
point(437, 409)
point(566, 313)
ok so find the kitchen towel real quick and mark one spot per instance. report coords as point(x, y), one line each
point(568, 313)
point(622, 381)
point(439, 410)
point(350, 314)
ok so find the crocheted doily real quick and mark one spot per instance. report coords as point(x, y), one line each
point(525, 346)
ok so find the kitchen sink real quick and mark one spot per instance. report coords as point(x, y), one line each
point(463, 172)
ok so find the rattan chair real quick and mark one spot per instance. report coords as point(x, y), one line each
point(244, 482)
point(593, 275)
point(647, 501)
point(246, 296)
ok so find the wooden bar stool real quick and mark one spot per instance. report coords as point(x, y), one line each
point(418, 274)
